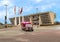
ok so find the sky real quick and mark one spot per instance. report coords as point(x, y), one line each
point(29, 7)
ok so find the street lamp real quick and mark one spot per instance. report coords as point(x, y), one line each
point(6, 17)
point(36, 10)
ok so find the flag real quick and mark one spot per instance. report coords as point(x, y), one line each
point(20, 10)
point(15, 9)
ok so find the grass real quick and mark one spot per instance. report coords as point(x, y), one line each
point(1, 26)
point(8, 26)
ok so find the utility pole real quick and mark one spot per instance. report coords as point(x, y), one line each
point(6, 17)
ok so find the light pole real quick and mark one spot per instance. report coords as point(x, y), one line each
point(36, 10)
point(6, 17)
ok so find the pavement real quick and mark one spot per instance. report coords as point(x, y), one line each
point(41, 34)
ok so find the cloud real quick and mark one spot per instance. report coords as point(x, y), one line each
point(46, 7)
point(4, 2)
point(2, 13)
point(27, 8)
point(36, 1)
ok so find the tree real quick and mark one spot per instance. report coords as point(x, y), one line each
point(1, 23)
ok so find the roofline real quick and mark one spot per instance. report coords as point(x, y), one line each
point(38, 13)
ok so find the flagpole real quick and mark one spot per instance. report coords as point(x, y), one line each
point(19, 16)
point(15, 21)
point(20, 12)
point(19, 20)
point(22, 18)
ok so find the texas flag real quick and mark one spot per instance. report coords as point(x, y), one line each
point(15, 9)
point(20, 10)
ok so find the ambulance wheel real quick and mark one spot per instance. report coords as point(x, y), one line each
point(31, 30)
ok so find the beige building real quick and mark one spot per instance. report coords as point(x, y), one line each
point(45, 18)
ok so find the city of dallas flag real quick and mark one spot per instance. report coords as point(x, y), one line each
point(20, 10)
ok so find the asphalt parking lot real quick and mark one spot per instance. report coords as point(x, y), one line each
point(42, 35)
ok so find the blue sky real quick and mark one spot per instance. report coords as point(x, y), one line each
point(29, 7)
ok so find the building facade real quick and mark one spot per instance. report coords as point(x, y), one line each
point(45, 18)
